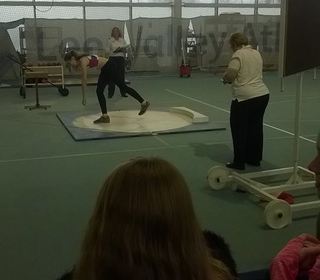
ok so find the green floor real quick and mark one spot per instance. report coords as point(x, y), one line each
point(49, 182)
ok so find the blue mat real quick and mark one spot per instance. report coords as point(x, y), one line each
point(70, 119)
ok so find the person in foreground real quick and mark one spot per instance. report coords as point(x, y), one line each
point(108, 74)
point(250, 97)
point(300, 258)
point(143, 227)
point(220, 250)
point(314, 166)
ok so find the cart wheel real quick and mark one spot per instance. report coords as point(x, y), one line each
point(189, 76)
point(63, 91)
point(278, 214)
point(23, 92)
point(217, 177)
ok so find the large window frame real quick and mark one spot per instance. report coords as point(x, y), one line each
point(176, 6)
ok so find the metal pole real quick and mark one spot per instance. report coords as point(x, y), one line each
point(315, 73)
point(295, 178)
point(84, 20)
point(282, 84)
point(35, 29)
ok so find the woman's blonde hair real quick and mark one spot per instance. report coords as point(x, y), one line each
point(144, 227)
point(237, 40)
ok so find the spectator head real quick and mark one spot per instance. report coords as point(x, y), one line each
point(116, 33)
point(238, 40)
point(144, 227)
point(220, 250)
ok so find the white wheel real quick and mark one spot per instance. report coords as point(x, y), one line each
point(217, 177)
point(278, 214)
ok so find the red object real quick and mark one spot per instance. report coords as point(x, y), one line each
point(185, 70)
point(288, 263)
point(286, 197)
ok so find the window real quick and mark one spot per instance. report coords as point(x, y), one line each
point(269, 1)
point(59, 12)
point(118, 13)
point(269, 11)
point(236, 1)
point(107, 1)
point(60, 1)
point(152, 1)
point(242, 11)
point(196, 12)
point(11, 13)
point(151, 12)
point(199, 1)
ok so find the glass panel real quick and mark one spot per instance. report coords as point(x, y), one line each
point(199, 1)
point(269, 11)
point(15, 0)
point(269, 1)
point(151, 12)
point(63, 0)
point(108, 1)
point(119, 13)
point(242, 11)
point(11, 13)
point(152, 1)
point(59, 12)
point(60, 1)
point(188, 12)
point(236, 1)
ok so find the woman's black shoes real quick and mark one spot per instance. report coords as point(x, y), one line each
point(144, 107)
point(253, 163)
point(240, 166)
point(234, 165)
point(102, 119)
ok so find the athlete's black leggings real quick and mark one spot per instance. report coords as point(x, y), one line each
point(120, 64)
point(109, 74)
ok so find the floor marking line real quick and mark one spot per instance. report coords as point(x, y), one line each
point(199, 101)
point(123, 151)
point(161, 140)
point(227, 111)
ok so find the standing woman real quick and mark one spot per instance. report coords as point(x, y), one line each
point(81, 63)
point(116, 50)
point(250, 99)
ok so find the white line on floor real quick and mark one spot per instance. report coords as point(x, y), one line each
point(161, 140)
point(84, 154)
point(199, 101)
point(227, 111)
point(168, 146)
